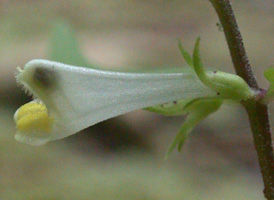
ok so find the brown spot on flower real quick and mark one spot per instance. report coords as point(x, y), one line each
point(44, 77)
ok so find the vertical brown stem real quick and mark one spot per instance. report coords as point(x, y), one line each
point(234, 41)
point(257, 112)
point(258, 117)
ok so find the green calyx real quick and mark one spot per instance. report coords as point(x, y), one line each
point(226, 85)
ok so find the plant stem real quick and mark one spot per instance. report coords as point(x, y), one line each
point(257, 111)
point(258, 117)
point(234, 41)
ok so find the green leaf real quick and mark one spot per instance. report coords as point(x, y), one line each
point(197, 110)
point(64, 46)
point(269, 75)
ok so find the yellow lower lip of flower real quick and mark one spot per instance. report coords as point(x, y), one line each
point(33, 119)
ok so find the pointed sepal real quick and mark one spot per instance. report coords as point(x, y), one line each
point(226, 85)
point(187, 57)
point(197, 110)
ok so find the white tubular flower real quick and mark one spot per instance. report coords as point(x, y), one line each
point(69, 98)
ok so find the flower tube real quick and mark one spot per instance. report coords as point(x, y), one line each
point(68, 98)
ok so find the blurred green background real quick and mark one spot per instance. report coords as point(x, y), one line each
point(123, 158)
